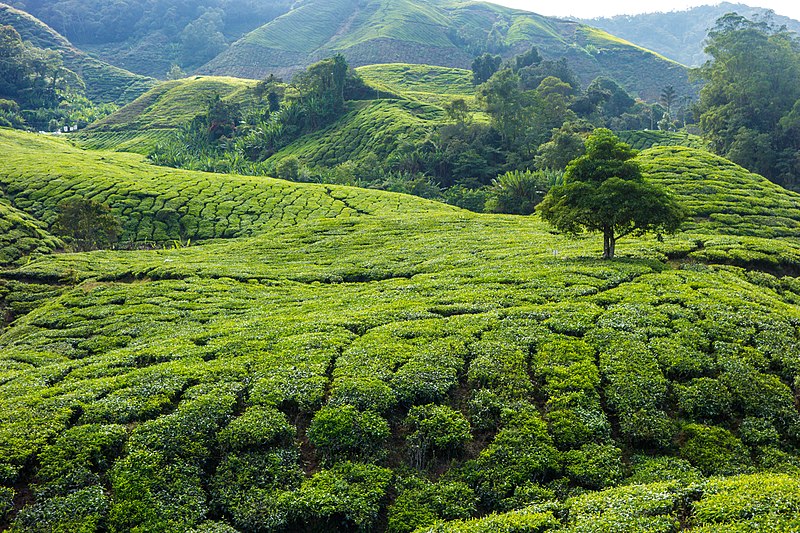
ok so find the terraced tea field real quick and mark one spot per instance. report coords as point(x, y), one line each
point(325, 358)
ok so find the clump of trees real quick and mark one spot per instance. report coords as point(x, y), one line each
point(604, 191)
point(230, 138)
point(37, 91)
point(750, 104)
point(539, 117)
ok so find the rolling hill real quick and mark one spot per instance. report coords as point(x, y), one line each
point(679, 35)
point(148, 120)
point(104, 83)
point(445, 33)
point(333, 358)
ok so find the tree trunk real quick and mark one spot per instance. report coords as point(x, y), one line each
point(609, 244)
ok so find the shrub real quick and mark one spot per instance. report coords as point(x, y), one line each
point(366, 394)
point(259, 427)
point(251, 487)
point(79, 457)
point(758, 432)
point(421, 382)
point(347, 496)
point(436, 430)
point(521, 452)
point(632, 508)
point(427, 502)
point(288, 169)
point(81, 511)
point(153, 493)
point(529, 520)
point(344, 432)
point(704, 398)
point(6, 502)
point(485, 408)
point(594, 466)
point(653, 469)
point(714, 450)
point(518, 193)
point(762, 501)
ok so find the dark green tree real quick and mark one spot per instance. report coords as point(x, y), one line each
point(604, 191)
point(484, 66)
point(668, 96)
point(89, 222)
point(752, 85)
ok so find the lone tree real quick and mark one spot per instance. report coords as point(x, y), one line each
point(604, 191)
point(88, 222)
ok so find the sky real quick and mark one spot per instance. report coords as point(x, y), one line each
point(609, 8)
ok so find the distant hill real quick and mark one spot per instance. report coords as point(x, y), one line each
point(443, 32)
point(679, 35)
point(104, 82)
point(148, 36)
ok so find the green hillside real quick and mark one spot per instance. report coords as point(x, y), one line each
point(446, 33)
point(22, 235)
point(104, 83)
point(339, 359)
point(424, 83)
point(680, 35)
point(148, 120)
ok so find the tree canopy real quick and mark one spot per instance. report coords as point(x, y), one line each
point(604, 191)
point(752, 87)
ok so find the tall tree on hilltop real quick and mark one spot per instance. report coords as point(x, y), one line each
point(604, 191)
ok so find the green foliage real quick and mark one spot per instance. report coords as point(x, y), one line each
point(423, 503)
point(521, 452)
point(594, 466)
point(761, 503)
point(88, 222)
point(21, 234)
point(632, 508)
point(78, 458)
point(748, 107)
point(172, 389)
point(518, 193)
point(484, 67)
point(6, 501)
point(713, 450)
point(437, 431)
point(257, 427)
point(531, 520)
point(604, 191)
point(81, 511)
point(346, 433)
point(348, 495)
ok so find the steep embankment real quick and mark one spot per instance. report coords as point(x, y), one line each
point(104, 82)
point(348, 359)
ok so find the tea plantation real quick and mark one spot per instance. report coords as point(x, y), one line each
point(297, 357)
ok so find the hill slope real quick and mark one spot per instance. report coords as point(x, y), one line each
point(296, 378)
point(679, 35)
point(445, 32)
point(104, 82)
